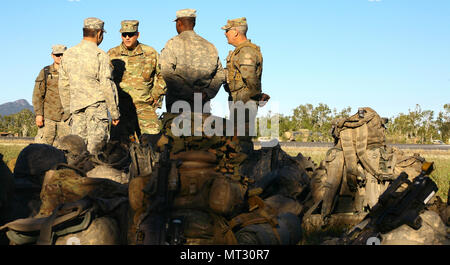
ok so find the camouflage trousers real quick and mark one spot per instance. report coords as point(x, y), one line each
point(147, 119)
point(51, 131)
point(91, 124)
point(244, 122)
point(135, 119)
point(244, 118)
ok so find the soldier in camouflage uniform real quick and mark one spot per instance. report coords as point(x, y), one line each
point(139, 82)
point(244, 70)
point(190, 64)
point(86, 87)
point(50, 117)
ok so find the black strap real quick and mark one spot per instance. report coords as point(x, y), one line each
point(46, 74)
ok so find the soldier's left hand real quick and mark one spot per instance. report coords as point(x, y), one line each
point(115, 122)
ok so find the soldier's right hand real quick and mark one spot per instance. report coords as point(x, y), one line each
point(115, 122)
point(40, 121)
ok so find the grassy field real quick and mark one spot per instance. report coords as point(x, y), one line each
point(10, 152)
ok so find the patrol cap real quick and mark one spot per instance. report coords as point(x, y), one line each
point(231, 23)
point(94, 23)
point(58, 49)
point(129, 26)
point(186, 13)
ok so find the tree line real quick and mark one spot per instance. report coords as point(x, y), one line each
point(21, 124)
point(307, 123)
point(313, 124)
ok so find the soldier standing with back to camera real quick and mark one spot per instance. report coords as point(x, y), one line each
point(86, 88)
point(50, 116)
point(190, 64)
point(244, 70)
point(139, 82)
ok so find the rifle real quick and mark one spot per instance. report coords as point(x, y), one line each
point(395, 207)
point(157, 227)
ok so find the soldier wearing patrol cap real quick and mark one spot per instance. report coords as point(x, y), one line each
point(50, 116)
point(139, 82)
point(244, 69)
point(86, 87)
point(190, 64)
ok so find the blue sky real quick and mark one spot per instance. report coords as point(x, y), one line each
point(388, 54)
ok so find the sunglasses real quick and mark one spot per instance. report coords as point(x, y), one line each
point(58, 55)
point(129, 34)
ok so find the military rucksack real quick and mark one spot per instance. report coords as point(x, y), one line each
point(35, 159)
point(83, 222)
point(357, 170)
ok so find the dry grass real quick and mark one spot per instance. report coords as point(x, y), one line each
point(441, 159)
point(441, 175)
point(10, 153)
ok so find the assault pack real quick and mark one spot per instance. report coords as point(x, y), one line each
point(90, 211)
point(357, 170)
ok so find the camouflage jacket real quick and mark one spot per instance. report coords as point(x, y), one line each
point(138, 73)
point(46, 100)
point(244, 70)
point(85, 79)
point(190, 64)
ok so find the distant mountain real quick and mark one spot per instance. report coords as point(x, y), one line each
point(14, 107)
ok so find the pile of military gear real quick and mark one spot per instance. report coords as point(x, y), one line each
point(356, 171)
point(74, 207)
point(201, 189)
point(207, 191)
point(55, 201)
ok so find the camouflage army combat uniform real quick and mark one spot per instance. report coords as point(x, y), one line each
point(87, 90)
point(244, 70)
point(140, 85)
point(47, 103)
point(190, 64)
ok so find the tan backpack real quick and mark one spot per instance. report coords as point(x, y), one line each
point(357, 170)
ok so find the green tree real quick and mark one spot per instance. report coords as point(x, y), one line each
point(443, 123)
point(21, 123)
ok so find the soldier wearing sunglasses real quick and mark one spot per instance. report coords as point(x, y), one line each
point(140, 85)
point(50, 117)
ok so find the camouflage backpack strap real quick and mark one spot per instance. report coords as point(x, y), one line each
point(334, 168)
point(350, 157)
point(361, 148)
point(65, 219)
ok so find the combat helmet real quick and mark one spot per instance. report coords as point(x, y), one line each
point(74, 148)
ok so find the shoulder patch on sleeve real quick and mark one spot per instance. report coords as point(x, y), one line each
point(247, 56)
